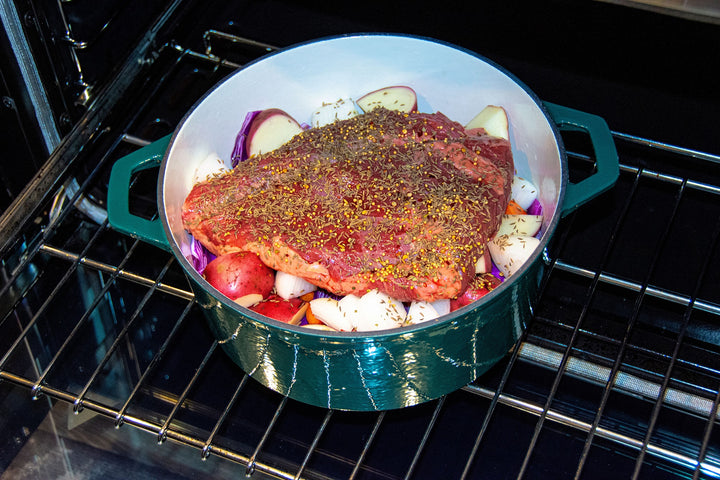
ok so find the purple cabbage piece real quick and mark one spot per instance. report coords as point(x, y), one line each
point(239, 153)
point(199, 256)
point(535, 208)
point(320, 293)
point(495, 271)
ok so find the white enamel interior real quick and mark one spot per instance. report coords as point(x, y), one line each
point(447, 79)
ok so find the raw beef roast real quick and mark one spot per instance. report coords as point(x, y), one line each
point(404, 203)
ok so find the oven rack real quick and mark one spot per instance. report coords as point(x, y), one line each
point(569, 343)
point(528, 352)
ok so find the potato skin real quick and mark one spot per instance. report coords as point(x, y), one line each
point(238, 274)
point(289, 311)
point(480, 286)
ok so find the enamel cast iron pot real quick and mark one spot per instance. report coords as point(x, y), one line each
point(392, 368)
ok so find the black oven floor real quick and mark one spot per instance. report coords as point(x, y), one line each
point(73, 446)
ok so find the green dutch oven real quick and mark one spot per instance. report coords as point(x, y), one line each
point(392, 368)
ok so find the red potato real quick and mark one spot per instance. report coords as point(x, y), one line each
point(288, 311)
point(480, 286)
point(493, 120)
point(269, 130)
point(241, 276)
point(399, 97)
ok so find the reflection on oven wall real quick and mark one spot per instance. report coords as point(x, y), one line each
point(77, 45)
point(55, 57)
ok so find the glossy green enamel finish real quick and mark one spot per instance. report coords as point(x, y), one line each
point(607, 168)
point(118, 202)
point(373, 371)
point(376, 372)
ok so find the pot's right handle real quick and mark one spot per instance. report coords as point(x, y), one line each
point(118, 202)
point(606, 157)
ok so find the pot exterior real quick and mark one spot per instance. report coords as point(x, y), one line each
point(356, 370)
point(377, 372)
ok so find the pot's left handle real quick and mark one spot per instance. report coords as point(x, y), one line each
point(118, 203)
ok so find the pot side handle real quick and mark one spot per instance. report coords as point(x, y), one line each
point(118, 203)
point(606, 157)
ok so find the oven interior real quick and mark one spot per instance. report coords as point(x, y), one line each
point(104, 354)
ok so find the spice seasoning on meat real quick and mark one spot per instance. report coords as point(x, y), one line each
point(400, 202)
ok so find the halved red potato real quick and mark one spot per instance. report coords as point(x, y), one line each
point(289, 311)
point(240, 276)
point(493, 120)
point(397, 97)
point(270, 129)
point(480, 286)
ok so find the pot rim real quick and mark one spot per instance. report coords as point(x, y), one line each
point(449, 318)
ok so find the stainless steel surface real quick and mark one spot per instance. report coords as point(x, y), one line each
point(31, 77)
point(54, 172)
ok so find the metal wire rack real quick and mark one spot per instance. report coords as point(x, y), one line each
point(619, 368)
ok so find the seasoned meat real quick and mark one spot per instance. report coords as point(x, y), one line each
point(404, 203)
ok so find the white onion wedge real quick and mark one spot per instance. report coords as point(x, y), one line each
point(210, 166)
point(509, 252)
point(289, 286)
point(328, 113)
point(351, 309)
point(523, 192)
point(379, 312)
point(327, 311)
point(493, 120)
point(441, 306)
point(528, 225)
point(421, 311)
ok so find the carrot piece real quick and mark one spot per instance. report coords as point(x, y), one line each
point(307, 297)
point(514, 209)
point(311, 319)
